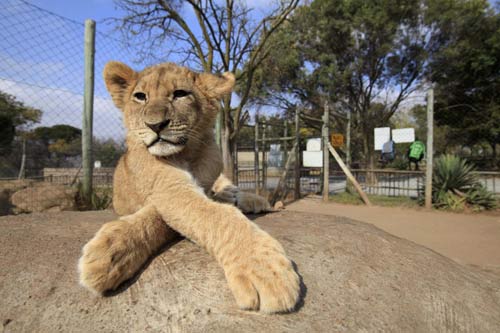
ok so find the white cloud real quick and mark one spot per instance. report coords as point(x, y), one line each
point(64, 107)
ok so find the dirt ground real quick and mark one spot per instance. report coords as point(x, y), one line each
point(472, 239)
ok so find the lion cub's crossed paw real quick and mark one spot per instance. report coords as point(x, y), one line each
point(265, 280)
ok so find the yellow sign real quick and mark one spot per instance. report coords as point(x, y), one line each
point(337, 140)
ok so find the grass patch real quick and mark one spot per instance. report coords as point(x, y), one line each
point(379, 200)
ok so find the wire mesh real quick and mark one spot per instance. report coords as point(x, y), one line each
point(41, 102)
point(41, 68)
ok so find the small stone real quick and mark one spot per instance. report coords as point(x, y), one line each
point(279, 205)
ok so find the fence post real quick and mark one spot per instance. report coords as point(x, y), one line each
point(326, 154)
point(264, 159)
point(22, 169)
point(88, 109)
point(348, 140)
point(430, 145)
point(285, 142)
point(256, 158)
point(296, 194)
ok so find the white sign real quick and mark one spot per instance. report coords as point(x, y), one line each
point(312, 159)
point(403, 135)
point(381, 135)
point(97, 164)
point(314, 144)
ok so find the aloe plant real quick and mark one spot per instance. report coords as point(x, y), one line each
point(455, 186)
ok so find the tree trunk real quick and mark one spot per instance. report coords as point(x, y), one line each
point(22, 169)
point(227, 158)
point(369, 157)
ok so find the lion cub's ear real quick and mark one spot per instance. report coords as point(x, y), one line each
point(118, 77)
point(215, 86)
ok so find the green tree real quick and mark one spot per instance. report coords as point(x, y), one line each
point(14, 117)
point(352, 53)
point(466, 71)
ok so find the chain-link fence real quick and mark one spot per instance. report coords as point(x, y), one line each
point(41, 100)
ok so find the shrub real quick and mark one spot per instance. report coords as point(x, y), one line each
point(456, 187)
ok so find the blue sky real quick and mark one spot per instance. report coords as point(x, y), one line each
point(41, 57)
point(79, 10)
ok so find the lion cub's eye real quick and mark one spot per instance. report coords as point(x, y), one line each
point(140, 96)
point(180, 93)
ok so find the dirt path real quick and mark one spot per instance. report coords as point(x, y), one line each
point(466, 238)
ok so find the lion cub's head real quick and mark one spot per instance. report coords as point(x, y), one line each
point(166, 107)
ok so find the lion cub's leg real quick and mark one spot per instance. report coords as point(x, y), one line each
point(224, 191)
point(120, 248)
point(255, 264)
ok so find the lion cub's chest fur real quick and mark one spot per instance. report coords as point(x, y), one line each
point(139, 174)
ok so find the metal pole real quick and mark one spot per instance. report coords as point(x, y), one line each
point(348, 140)
point(430, 145)
point(296, 194)
point(218, 126)
point(235, 163)
point(285, 143)
point(264, 157)
point(22, 169)
point(88, 109)
point(326, 155)
point(256, 157)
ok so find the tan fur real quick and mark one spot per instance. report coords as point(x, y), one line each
point(170, 181)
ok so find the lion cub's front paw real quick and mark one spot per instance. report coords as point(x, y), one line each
point(110, 258)
point(227, 195)
point(247, 202)
point(265, 279)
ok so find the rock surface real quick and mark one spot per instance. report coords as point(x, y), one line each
point(43, 197)
point(356, 277)
point(7, 188)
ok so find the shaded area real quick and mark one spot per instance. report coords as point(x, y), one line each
point(357, 277)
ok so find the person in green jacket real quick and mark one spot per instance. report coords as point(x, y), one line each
point(416, 153)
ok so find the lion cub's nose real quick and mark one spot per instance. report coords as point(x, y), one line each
point(158, 126)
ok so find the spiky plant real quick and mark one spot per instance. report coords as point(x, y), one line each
point(454, 174)
point(455, 186)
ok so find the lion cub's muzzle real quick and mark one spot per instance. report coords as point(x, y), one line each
point(166, 140)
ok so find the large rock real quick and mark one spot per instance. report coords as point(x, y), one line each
point(7, 188)
point(356, 278)
point(43, 197)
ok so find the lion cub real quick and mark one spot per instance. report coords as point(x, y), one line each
point(170, 179)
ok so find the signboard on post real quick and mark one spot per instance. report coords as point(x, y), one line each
point(337, 140)
point(313, 156)
point(381, 136)
point(403, 135)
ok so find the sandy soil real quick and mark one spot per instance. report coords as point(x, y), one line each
point(472, 239)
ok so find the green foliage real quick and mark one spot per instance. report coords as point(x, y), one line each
point(63, 132)
point(354, 51)
point(466, 70)
point(7, 132)
point(456, 187)
point(20, 114)
point(452, 173)
point(14, 115)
